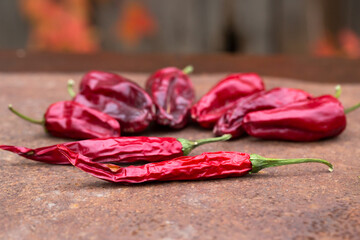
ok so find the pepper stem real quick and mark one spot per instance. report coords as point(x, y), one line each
point(259, 162)
point(40, 122)
point(337, 91)
point(188, 69)
point(350, 109)
point(188, 145)
point(70, 88)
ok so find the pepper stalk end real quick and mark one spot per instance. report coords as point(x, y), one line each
point(70, 88)
point(40, 122)
point(188, 69)
point(338, 91)
point(188, 145)
point(350, 109)
point(259, 162)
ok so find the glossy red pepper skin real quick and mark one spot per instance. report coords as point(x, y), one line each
point(73, 120)
point(223, 96)
point(314, 119)
point(173, 94)
point(205, 166)
point(69, 119)
point(231, 121)
point(121, 149)
point(118, 97)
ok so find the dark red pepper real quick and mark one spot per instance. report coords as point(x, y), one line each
point(310, 120)
point(73, 120)
point(223, 96)
point(231, 121)
point(173, 94)
point(205, 166)
point(121, 149)
point(118, 97)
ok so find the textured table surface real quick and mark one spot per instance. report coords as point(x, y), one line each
point(40, 201)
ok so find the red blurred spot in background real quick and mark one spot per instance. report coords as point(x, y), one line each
point(60, 25)
point(134, 23)
point(350, 43)
point(345, 44)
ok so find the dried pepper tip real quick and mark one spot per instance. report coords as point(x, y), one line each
point(259, 162)
point(337, 91)
point(188, 145)
point(40, 122)
point(70, 88)
point(188, 69)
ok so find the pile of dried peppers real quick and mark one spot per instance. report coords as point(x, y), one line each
point(108, 105)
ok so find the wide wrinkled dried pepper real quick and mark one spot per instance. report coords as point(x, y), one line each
point(205, 166)
point(73, 120)
point(310, 120)
point(121, 149)
point(223, 96)
point(118, 97)
point(231, 121)
point(173, 94)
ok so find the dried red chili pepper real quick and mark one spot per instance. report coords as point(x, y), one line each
point(223, 96)
point(118, 97)
point(73, 120)
point(205, 166)
point(231, 121)
point(173, 94)
point(310, 120)
point(121, 149)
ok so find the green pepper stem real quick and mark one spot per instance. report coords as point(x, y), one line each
point(337, 91)
point(350, 109)
point(259, 162)
point(188, 145)
point(40, 122)
point(70, 88)
point(188, 69)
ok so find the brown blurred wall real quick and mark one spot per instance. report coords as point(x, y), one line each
point(200, 26)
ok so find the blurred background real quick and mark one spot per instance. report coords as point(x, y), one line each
point(307, 27)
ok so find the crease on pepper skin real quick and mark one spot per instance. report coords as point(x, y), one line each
point(118, 97)
point(311, 120)
point(120, 149)
point(212, 165)
point(231, 122)
point(223, 96)
point(73, 120)
point(173, 94)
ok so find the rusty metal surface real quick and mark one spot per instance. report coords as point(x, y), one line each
point(40, 201)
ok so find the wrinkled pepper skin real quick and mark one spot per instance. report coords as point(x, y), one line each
point(173, 94)
point(231, 121)
point(120, 149)
point(73, 120)
point(69, 119)
point(223, 96)
point(314, 119)
point(118, 97)
point(211, 165)
point(204, 166)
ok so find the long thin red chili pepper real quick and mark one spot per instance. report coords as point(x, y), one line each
point(205, 166)
point(120, 149)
